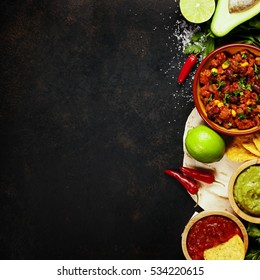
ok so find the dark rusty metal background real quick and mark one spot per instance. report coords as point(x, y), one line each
point(88, 124)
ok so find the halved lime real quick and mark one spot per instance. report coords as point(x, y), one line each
point(197, 11)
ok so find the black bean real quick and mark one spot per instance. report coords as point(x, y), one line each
point(256, 88)
point(234, 99)
point(213, 112)
point(229, 74)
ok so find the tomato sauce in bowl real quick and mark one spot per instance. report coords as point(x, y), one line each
point(210, 229)
point(209, 232)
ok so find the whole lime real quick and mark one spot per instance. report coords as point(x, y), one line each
point(204, 144)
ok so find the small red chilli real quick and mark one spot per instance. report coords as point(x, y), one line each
point(187, 183)
point(199, 175)
point(186, 68)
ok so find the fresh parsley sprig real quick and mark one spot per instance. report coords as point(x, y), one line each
point(204, 41)
point(201, 42)
point(253, 231)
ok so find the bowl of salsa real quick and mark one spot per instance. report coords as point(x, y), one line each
point(214, 235)
point(244, 191)
point(226, 89)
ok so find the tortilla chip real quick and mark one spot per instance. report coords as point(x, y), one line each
point(241, 149)
point(233, 249)
point(251, 147)
point(239, 154)
point(256, 140)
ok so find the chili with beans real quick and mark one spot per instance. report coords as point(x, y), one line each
point(230, 90)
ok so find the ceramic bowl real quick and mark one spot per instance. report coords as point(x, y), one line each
point(236, 207)
point(204, 214)
point(230, 49)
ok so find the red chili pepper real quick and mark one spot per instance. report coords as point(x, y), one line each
point(186, 68)
point(187, 183)
point(199, 175)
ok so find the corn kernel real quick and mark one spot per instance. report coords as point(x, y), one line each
point(216, 102)
point(225, 64)
point(220, 104)
point(248, 102)
point(244, 64)
point(233, 112)
point(214, 71)
point(257, 58)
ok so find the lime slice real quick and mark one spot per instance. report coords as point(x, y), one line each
point(197, 11)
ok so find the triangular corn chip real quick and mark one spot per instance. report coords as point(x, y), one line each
point(233, 249)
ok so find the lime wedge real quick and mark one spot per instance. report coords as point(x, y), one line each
point(197, 11)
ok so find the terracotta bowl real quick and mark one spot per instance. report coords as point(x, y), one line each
point(231, 49)
point(204, 214)
point(238, 210)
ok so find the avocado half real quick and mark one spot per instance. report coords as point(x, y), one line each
point(223, 21)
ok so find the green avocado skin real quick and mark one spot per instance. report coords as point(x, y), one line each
point(223, 21)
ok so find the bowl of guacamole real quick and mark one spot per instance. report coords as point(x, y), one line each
point(244, 191)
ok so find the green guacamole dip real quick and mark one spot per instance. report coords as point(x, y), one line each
point(247, 190)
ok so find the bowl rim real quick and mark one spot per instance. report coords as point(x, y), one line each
point(203, 214)
point(216, 127)
point(231, 184)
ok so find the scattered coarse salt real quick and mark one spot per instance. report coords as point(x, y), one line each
point(177, 39)
point(183, 32)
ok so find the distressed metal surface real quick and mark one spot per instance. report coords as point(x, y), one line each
point(90, 118)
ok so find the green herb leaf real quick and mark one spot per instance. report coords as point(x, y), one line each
point(253, 255)
point(189, 49)
point(241, 117)
point(220, 84)
point(210, 98)
point(242, 83)
point(238, 92)
point(254, 22)
point(196, 37)
point(254, 231)
point(249, 87)
point(226, 97)
point(209, 46)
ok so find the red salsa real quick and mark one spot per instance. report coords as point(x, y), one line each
point(208, 232)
